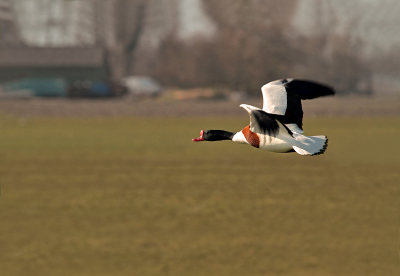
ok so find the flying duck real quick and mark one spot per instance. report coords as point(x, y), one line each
point(278, 126)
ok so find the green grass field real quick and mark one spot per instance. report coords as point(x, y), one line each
point(137, 197)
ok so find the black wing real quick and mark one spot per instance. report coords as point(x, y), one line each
point(268, 122)
point(298, 90)
point(308, 90)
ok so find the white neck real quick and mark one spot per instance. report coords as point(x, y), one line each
point(239, 138)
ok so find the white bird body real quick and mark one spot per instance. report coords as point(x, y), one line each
point(282, 142)
point(278, 126)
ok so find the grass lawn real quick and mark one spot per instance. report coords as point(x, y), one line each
point(131, 196)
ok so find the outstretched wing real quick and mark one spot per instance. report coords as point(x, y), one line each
point(275, 97)
point(308, 90)
point(283, 97)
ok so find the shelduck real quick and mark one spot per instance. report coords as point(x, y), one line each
point(278, 126)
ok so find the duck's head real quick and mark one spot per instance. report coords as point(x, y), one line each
point(214, 135)
point(203, 136)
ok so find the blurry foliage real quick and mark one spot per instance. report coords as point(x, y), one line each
point(336, 60)
point(388, 62)
point(255, 44)
point(125, 22)
point(247, 51)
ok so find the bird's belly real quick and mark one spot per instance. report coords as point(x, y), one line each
point(280, 143)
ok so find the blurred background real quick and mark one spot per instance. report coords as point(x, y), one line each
point(85, 48)
point(100, 101)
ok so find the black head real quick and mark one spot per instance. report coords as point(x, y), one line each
point(214, 135)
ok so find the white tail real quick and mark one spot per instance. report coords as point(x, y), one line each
point(310, 145)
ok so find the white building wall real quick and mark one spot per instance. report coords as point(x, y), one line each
point(56, 22)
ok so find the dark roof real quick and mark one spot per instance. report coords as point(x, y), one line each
point(51, 57)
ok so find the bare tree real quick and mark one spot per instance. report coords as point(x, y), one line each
point(121, 24)
point(251, 47)
point(335, 55)
point(255, 43)
point(10, 32)
point(253, 40)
